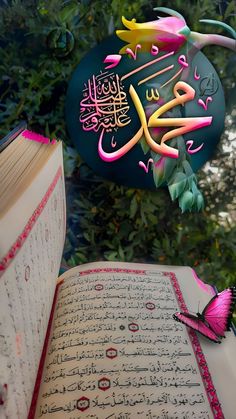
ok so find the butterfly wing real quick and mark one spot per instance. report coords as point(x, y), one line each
point(218, 312)
point(197, 324)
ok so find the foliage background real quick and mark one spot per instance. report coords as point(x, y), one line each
point(108, 221)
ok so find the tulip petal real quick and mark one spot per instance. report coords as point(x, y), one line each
point(164, 33)
point(130, 24)
point(170, 12)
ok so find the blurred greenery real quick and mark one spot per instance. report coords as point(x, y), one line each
point(107, 221)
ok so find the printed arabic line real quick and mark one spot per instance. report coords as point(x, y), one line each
point(123, 399)
point(69, 297)
point(130, 284)
point(155, 74)
point(130, 304)
point(146, 65)
point(96, 328)
point(77, 294)
point(75, 319)
point(119, 340)
point(108, 277)
point(136, 295)
point(142, 398)
point(58, 359)
point(130, 367)
point(111, 315)
point(129, 382)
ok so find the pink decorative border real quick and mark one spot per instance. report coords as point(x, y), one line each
point(119, 270)
point(6, 260)
point(30, 135)
point(201, 360)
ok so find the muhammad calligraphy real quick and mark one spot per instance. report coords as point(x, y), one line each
point(104, 108)
point(152, 111)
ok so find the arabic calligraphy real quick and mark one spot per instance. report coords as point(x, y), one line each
point(144, 166)
point(104, 103)
point(196, 75)
point(205, 104)
point(131, 53)
point(184, 125)
point(115, 348)
point(153, 96)
point(191, 150)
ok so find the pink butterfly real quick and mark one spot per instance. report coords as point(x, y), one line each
point(215, 318)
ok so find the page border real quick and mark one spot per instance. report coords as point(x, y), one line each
point(7, 259)
point(200, 357)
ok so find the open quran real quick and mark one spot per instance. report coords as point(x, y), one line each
point(100, 341)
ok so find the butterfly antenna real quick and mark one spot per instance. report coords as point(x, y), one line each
point(191, 312)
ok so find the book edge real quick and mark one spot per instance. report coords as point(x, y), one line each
point(42, 358)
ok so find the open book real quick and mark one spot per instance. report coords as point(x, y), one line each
point(100, 341)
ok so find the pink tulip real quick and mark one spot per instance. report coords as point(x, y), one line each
point(168, 34)
point(171, 33)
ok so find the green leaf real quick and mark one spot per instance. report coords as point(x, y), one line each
point(133, 207)
point(177, 185)
point(169, 166)
point(144, 145)
point(200, 202)
point(111, 255)
point(187, 168)
point(158, 176)
point(121, 253)
point(186, 201)
point(68, 12)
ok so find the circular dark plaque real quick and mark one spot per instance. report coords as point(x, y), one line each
point(102, 117)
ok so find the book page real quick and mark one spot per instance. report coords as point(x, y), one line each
point(115, 350)
point(29, 270)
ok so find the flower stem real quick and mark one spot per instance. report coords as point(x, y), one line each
point(200, 40)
